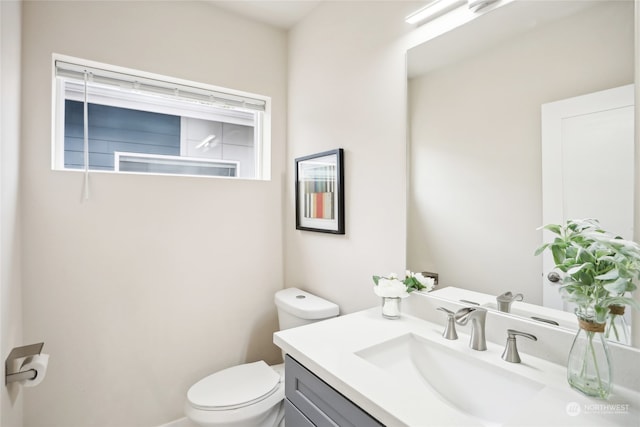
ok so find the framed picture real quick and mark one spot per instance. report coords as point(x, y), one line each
point(320, 192)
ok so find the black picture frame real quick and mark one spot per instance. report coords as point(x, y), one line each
point(320, 192)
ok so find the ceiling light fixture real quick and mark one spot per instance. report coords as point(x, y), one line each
point(433, 10)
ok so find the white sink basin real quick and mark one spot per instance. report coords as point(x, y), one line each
point(472, 386)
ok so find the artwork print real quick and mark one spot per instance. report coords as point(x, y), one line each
point(320, 192)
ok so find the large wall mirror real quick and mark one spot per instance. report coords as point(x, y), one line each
point(475, 95)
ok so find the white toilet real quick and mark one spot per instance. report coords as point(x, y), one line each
point(251, 395)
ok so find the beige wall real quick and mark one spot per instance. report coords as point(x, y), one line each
point(155, 281)
point(347, 89)
point(476, 200)
point(10, 291)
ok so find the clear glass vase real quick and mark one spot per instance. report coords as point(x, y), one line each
point(589, 366)
point(616, 328)
point(391, 307)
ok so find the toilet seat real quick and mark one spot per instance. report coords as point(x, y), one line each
point(235, 387)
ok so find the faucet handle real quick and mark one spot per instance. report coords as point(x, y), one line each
point(504, 301)
point(509, 296)
point(510, 353)
point(449, 330)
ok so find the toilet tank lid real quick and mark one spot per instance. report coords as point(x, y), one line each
point(305, 305)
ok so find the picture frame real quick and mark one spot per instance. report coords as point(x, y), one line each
point(320, 192)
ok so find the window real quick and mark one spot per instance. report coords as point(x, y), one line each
point(108, 118)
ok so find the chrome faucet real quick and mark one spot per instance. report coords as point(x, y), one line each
point(478, 318)
point(504, 301)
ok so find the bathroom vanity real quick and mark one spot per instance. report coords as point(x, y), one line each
point(311, 402)
point(404, 373)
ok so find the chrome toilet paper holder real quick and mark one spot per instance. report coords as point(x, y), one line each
point(19, 353)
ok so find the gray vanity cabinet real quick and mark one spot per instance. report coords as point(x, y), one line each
point(312, 402)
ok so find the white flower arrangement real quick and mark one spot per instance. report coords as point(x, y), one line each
point(391, 287)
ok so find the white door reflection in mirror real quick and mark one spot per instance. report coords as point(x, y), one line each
point(587, 166)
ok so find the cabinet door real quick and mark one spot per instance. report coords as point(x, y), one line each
point(319, 402)
point(293, 417)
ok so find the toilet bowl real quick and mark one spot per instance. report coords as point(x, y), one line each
point(249, 395)
point(252, 394)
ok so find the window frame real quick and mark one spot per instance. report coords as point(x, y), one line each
point(261, 123)
point(155, 158)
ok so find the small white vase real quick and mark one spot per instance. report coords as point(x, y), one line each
point(391, 307)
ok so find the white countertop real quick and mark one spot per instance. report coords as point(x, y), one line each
point(328, 349)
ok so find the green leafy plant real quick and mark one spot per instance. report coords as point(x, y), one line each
point(599, 268)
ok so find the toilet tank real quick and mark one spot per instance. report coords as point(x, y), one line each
point(297, 308)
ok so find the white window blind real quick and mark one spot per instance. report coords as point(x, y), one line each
point(157, 87)
point(146, 114)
